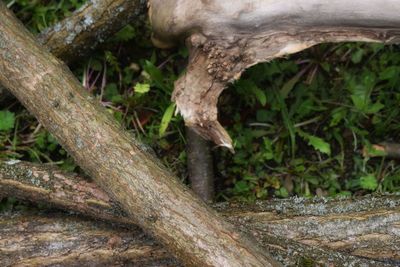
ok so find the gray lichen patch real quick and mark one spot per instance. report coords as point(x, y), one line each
point(79, 143)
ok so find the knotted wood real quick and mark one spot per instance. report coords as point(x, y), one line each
point(151, 196)
point(225, 37)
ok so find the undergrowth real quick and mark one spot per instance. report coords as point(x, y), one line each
point(299, 124)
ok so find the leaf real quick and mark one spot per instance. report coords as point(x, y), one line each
point(125, 34)
point(166, 119)
point(369, 182)
point(357, 56)
point(142, 88)
point(289, 85)
point(156, 75)
point(261, 97)
point(316, 142)
point(374, 108)
point(7, 120)
point(319, 144)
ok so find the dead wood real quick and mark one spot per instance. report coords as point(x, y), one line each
point(94, 23)
point(363, 230)
point(151, 196)
point(55, 239)
point(200, 165)
point(389, 150)
point(227, 36)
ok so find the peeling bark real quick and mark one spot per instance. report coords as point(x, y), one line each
point(226, 37)
point(342, 231)
point(150, 195)
point(86, 28)
point(200, 165)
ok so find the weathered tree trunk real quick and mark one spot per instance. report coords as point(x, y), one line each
point(338, 231)
point(151, 196)
point(87, 27)
point(49, 239)
point(227, 36)
point(55, 239)
point(200, 165)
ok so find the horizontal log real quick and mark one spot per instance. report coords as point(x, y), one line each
point(87, 27)
point(225, 37)
point(54, 239)
point(153, 197)
point(358, 230)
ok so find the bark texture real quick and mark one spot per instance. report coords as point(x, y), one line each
point(91, 25)
point(200, 165)
point(226, 37)
point(55, 239)
point(86, 28)
point(151, 196)
point(342, 232)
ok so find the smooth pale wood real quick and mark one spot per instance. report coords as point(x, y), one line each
point(227, 36)
point(339, 231)
point(150, 195)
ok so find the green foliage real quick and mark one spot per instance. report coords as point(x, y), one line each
point(323, 107)
point(39, 14)
point(166, 119)
point(298, 124)
point(7, 120)
point(368, 182)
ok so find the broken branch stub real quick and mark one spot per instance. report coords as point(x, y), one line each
point(225, 37)
point(151, 196)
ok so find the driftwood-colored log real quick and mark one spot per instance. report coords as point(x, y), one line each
point(150, 195)
point(86, 28)
point(227, 36)
point(200, 165)
point(55, 239)
point(342, 231)
point(389, 150)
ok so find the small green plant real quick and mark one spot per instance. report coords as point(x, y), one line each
point(298, 124)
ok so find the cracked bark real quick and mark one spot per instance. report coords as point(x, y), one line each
point(363, 230)
point(226, 37)
point(86, 28)
point(150, 195)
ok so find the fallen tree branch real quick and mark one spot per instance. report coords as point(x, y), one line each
point(91, 25)
point(52, 239)
point(45, 239)
point(95, 22)
point(225, 37)
point(343, 230)
point(389, 150)
point(200, 165)
point(150, 195)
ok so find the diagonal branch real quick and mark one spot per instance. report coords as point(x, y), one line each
point(86, 28)
point(338, 231)
point(152, 197)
